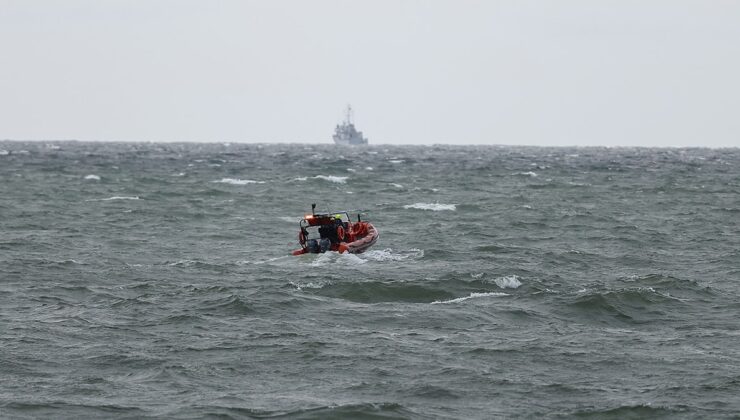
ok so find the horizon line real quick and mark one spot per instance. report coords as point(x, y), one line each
point(229, 142)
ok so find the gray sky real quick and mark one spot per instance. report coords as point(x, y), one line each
point(653, 73)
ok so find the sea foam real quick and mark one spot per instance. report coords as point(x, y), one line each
point(431, 206)
point(115, 198)
point(332, 178)
point(471, 296)
point(388, 254)
point(335, 258)
point(237, 181)
point(120, 198)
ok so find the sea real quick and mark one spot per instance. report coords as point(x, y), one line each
point(155, 280)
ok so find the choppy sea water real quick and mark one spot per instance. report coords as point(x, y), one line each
point(153, 280)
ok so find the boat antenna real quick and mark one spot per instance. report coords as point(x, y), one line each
point(313, 209)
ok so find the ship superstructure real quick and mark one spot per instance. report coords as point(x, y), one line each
point(346, 133)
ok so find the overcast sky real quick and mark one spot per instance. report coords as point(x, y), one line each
point(653, 73)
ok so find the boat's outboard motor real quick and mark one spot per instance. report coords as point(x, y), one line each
point(324, 245)
point(313, 246)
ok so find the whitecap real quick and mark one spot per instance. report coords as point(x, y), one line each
point(351, 170)
point(368, 168)
point(397, 161)
point(332, 178)
point(530, 173)
point(471, 296)
point(396, 185)
point(310, 285)
point(236, 181)
point(302, 178)
point(334, 258)
point(116, 198)
point(183, 263)
point(508, 282)
point(4, 152)
point(431, 206)
point(92, 177)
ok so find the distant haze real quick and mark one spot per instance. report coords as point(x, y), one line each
point(652, 73)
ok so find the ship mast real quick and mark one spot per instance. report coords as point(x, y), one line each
point(348, 120)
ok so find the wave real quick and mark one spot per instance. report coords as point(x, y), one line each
point(332, 178)
point(237, 181)
point(333, 411)
point(232, 304)
point(115, 198)
point(431, 206)
point(641, 411)
point(345, 259)
point(508, 282)
point(388, 254)
point(636, 305)
point(269, 260)
point(198, 265)
point(92, 177)
point(473, 295)
point(497, 249)
point(383, 291)
point(310, 285)
point(70, 409)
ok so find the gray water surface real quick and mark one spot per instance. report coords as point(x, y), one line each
point(154, 280)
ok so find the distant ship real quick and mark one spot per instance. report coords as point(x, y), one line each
point(345, 133)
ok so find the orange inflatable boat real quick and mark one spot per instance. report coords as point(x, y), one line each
point(334, 232)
